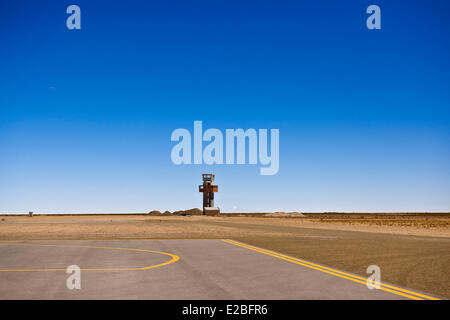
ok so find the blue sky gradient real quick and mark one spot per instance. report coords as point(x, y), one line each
point(86, 115)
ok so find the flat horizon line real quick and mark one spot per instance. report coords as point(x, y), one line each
point(229, 213)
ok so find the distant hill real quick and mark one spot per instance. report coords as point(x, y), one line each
point(191, 212)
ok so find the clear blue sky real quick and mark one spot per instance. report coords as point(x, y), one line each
point(86, 115)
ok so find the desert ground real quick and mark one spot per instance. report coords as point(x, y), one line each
point(412, 249)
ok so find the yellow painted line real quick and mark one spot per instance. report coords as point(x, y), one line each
point(173, 259)
point(333, 270)
point(341, 274)
point(291, 259)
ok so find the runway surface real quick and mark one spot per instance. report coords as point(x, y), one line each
point(175, 269)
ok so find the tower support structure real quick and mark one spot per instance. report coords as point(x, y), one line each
point(208, 188)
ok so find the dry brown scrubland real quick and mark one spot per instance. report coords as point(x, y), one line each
point(412, 250)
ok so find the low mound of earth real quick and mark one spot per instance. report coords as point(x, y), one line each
point(189, 212)
point(285, 214)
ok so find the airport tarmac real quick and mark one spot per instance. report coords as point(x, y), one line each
point(175, 269)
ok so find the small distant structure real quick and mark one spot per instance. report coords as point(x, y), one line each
point(208, 188)
point(30, 214)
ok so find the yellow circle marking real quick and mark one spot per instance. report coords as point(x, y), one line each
point(173, 259)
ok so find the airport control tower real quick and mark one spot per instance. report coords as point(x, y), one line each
point(208, 188)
